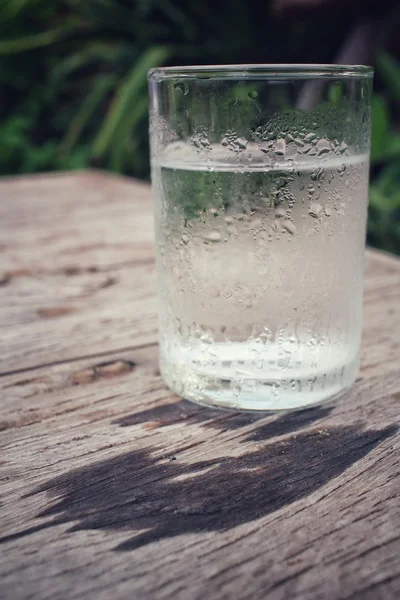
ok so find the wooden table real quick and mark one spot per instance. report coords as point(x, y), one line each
point(112, 487)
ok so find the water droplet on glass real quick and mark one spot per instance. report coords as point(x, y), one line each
point(182, 87)
point(256, 224)
point(280, 147)
point(185, 238)
point(280, 212)
point(310, 384)
point(200, 140)
point(236, 388)
point(315, 210)
point(328, 211)
point(323, 147)
point(289, 226)
point(253, 94)
point(229, 220)
point(317, 174)
point(213, 236)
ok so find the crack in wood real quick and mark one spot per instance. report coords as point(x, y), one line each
point(79, 358)
point(107, 369)
point(55, 311)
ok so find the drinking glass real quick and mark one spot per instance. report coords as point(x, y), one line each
point(260, 185)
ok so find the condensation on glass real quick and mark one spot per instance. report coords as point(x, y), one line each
point(260, 183)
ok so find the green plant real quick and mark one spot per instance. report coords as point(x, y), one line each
point(384, 208)
point(92, 58)
point(73, 81)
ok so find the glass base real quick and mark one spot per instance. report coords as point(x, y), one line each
point(237, 383)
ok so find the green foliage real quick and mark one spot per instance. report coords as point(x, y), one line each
point(389, 70)
point(380, 127)
point(128, 108)
point(384, 206)
point(73, 72)
point(73, 81)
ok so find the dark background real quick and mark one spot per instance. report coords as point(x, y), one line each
point(73, 75)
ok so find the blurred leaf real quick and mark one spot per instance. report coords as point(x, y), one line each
point(388, 181)
point(389, 70)
point(78, 159)
point(382, 201)
point(384, 209)
point(95, 52)
point(126, 97)
point(126, 131)
point(180, 17)
point(392, 149)
point(30, 42)
point(380, 127)
point(111, 11)
point(89, 105)
point(38, 158)
point(14, 139)
point(335, 92)
point(11, 9)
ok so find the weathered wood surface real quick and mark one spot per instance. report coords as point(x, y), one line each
point(112, 487)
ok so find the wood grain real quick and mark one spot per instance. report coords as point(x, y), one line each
point(111, 486)
point(77, 251)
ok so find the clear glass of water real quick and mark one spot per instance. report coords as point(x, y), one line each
point(260, 184)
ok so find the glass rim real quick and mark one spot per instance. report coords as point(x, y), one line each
point(263, 71)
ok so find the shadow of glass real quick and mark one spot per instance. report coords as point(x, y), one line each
point(137, 491)
point(189, 413)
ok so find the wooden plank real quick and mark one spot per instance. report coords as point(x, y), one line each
point(111, 486)
point(77, 269)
